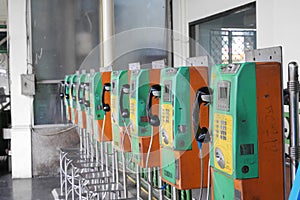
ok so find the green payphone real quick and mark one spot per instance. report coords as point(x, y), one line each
point(87, 93)
point(80, 100)
point(246, 130)
point(95, 101)
point(120, 109)
point(66, 95)
point(73, 99)
point(143, 134)
point(179, 150)
point(100, 86)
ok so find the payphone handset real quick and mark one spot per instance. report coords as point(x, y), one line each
point(119, 106)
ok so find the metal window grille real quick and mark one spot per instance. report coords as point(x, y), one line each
point(229, 46)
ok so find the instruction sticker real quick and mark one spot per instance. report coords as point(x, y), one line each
point(223, 143)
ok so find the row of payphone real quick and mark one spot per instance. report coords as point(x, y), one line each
point(180, 121)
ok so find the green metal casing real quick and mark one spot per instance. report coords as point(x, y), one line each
point(233, 124)
point(118, 79)
point(73, 94)
point(139, 89)
point(175, 118)
point(87, 97)
point(95, 101)
point(87, 93)
point(95, 97)
point(67, 96)
point(80, 95)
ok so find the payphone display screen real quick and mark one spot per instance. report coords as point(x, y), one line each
point(223, 100)
point(167, 91)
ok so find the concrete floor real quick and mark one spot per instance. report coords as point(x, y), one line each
point(26, 189)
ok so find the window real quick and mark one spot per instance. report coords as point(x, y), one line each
point(225, 37)
point(63, 34)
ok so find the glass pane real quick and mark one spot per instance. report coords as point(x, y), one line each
point(48, 107)
point(63, 34)
point(225, 37)
point(140, 31)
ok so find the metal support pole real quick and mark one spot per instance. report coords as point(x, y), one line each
point(66, 178)
point(161, 195)
point(150, 189)
point(73, 183)
point(80, 140)
point(113, 163)
point(293, 86)
point(124, 174)
point(107, 32)
point(138, 182)
point(97, 151)
point(174, 193)
point(106, 156)
point(61, 171)
point(102, 155)
point(116, 166)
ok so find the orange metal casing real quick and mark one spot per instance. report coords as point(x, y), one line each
point(69, 113)
point(107, 126)
point(189, 165)
point(270, 183)
point(154, 157)
point(126, 147)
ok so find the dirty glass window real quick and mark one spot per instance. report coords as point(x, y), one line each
point(64, 32)
point(226, 36)
point(142, 35)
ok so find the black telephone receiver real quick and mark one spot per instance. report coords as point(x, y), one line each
point(124, 90)
point(65, 90)
point(72, 91)
point(106, 88)
point(154, 91)
point(80, 99)
point(62, 87)
point(200, 132)
point(85, 88)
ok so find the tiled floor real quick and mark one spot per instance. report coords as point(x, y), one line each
point(26, 189)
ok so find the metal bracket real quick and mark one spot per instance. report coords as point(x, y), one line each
point(197, 61)
point(106, 69)
point(28, 84)
point(134, 66)
point(273, 54)
point(159, 64)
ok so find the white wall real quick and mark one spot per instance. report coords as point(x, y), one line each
point(186, 11)
point(198, 9)
point(21, 106)
point(278, 25)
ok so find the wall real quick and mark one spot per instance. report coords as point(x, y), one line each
point(21, 106)
point(279, 26)
point(46, 142)
point(186, 11)
point(198, 9)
